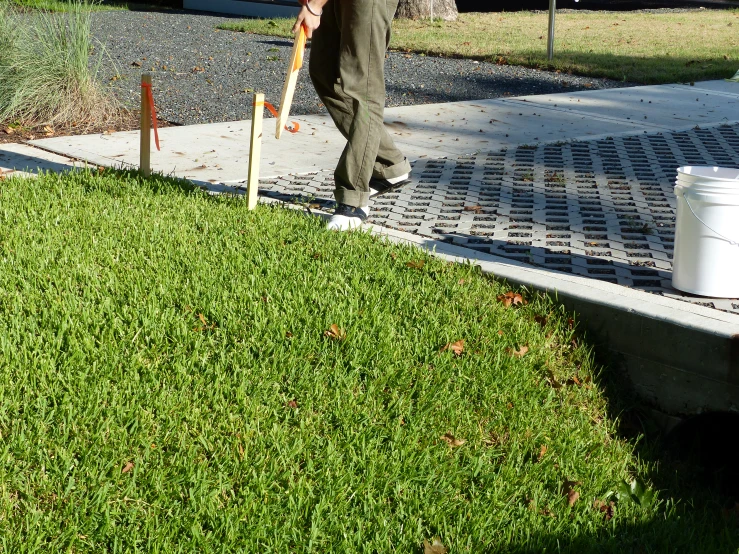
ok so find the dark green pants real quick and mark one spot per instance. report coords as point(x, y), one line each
point(347, 66)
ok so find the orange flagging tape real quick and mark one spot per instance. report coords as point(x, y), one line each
point(150, 94)
point(295, 125)
point(271, 108)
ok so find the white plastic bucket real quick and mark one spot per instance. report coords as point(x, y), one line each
point(713, 176)
point(706, 259)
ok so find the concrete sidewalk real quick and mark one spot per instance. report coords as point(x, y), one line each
point(219, 152)
point(567, 193)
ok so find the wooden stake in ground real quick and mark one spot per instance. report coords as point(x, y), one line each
point(145, 156)
point(255, 151)
point(288, 90)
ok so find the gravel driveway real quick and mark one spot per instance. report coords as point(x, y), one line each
point(203, 75)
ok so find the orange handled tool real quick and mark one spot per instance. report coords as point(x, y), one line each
point(288, 90)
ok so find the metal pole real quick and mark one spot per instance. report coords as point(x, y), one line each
point(550, 42)
point(432, 11)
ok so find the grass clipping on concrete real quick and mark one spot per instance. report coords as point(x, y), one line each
point(46, 77)
point(650, 48)
point(180, 374)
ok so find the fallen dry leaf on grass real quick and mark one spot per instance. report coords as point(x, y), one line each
point(434, 547)
point(335, 333)
point(456, 347)
point(292, 404)
point(541, 320)
point(205, 326)
point(606, 509)
point(732, 513)
point(511, 299)
point(452, 441)
point(416, 265)
point(552, 379)
point(542, 451)
point(568, 489)
point(496, 439)
point(128, 467)
point(520, 353)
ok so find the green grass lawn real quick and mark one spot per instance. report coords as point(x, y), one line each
point(636, 47)
point(178, 374)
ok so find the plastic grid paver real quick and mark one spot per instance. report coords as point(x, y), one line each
point(603, 209)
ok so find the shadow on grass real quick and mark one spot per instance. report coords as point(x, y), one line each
point(647, 70)
point(662, 535)
point(489, 83)
point(692, 465)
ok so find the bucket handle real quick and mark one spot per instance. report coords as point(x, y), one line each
point(686, 195)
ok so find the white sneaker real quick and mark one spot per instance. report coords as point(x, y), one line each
point(347, 217)
point(380, 186)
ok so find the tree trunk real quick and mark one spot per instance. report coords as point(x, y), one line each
point(423, 9)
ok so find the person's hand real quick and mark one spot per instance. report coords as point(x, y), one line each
point(308, 20)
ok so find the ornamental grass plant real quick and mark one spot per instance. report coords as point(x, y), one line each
point(47, 75)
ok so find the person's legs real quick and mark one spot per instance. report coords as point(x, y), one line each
point(324, 67)
point(347, 69)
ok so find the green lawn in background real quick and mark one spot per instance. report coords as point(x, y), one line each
point(178, 374)
point(637, 47)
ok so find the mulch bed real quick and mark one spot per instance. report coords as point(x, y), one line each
point(126, 121)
